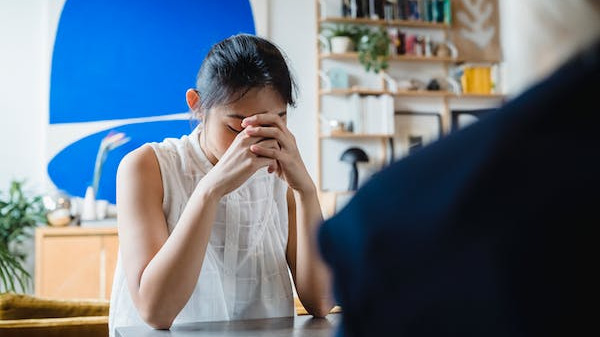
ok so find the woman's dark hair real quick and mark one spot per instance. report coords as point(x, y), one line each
point(238, 64)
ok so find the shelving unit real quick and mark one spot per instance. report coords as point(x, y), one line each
point(443, 101)
point(381, 22)
point(412, 93)
point(395, 58)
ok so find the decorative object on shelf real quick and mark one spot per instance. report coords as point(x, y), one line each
point(19, 212)
point(415, 129)
point(410, 84)
point(353, 156)
point(342, 37)
point(477, 79)
point(58, 208)
point(89, 205)
point(434, 85)
point(110, 142)
point(414, 143)
point(101, 209)
point(449, 84)
point(445, 49)
point(390, 83)
point(341, 44)
point(350, 8)
point(325, 82)
point(324, 45)
point(337, 127)
point(374, 49)
point(338, 78)
point(476, 30)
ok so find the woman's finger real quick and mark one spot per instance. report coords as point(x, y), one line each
point(263, 151)
point(270, 132)
point(263, 161)
point(265, 119)
point(269, 143)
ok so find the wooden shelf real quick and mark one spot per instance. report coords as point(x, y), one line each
point(338, 193)
point(406, 93)
point(366, 84)
point(360, 91)
point(498, 96)
point(381, 22)
point(417, 58)
point(367, 92)
point(350, 135)
point(393, 58)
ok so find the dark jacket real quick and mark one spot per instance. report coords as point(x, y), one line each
point(486, 232)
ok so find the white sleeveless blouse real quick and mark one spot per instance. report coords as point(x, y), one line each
point(245, 273)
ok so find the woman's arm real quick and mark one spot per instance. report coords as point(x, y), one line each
point(161, 269)
point(311, 276)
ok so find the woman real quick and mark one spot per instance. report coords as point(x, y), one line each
point(210, 223)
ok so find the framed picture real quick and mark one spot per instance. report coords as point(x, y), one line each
point(413, 131)
point(475, 29)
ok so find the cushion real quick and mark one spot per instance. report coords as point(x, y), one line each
point(91, 326)
point(21, 306)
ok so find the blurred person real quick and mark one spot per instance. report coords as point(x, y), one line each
point(487, 232)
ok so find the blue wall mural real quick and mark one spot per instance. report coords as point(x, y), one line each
point(117, 59)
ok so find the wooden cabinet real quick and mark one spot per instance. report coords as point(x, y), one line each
point(75, 262)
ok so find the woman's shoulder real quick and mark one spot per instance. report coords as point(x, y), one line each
point(142, 159)
point(171, 144)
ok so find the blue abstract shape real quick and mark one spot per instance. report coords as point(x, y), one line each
point(72, 169)
point(117, 59)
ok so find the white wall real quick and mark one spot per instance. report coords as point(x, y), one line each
point(23, 90)
point(292, 27)
point(26, 35)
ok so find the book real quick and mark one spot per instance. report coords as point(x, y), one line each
point(477, 79)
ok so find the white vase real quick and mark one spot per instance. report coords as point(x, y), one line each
point(89, 205)
point(341, 44)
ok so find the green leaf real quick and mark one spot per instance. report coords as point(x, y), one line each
point(373, 49)
point(11, 270)
point(19, 212)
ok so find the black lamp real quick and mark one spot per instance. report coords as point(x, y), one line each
point(352, 156)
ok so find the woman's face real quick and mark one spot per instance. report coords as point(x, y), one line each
point(223, 123)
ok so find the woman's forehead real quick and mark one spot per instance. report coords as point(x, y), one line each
point(255, 101)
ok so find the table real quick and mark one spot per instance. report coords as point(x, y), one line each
point(299, 326)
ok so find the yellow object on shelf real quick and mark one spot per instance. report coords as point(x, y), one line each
point(477, 80)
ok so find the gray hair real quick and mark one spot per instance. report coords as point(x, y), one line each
point(547, 32)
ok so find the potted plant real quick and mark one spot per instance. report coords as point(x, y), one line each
point(18, 214)
point(373, 49)
point(341, 38)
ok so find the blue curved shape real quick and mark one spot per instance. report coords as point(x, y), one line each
point(72, 169)
point(117, 59)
